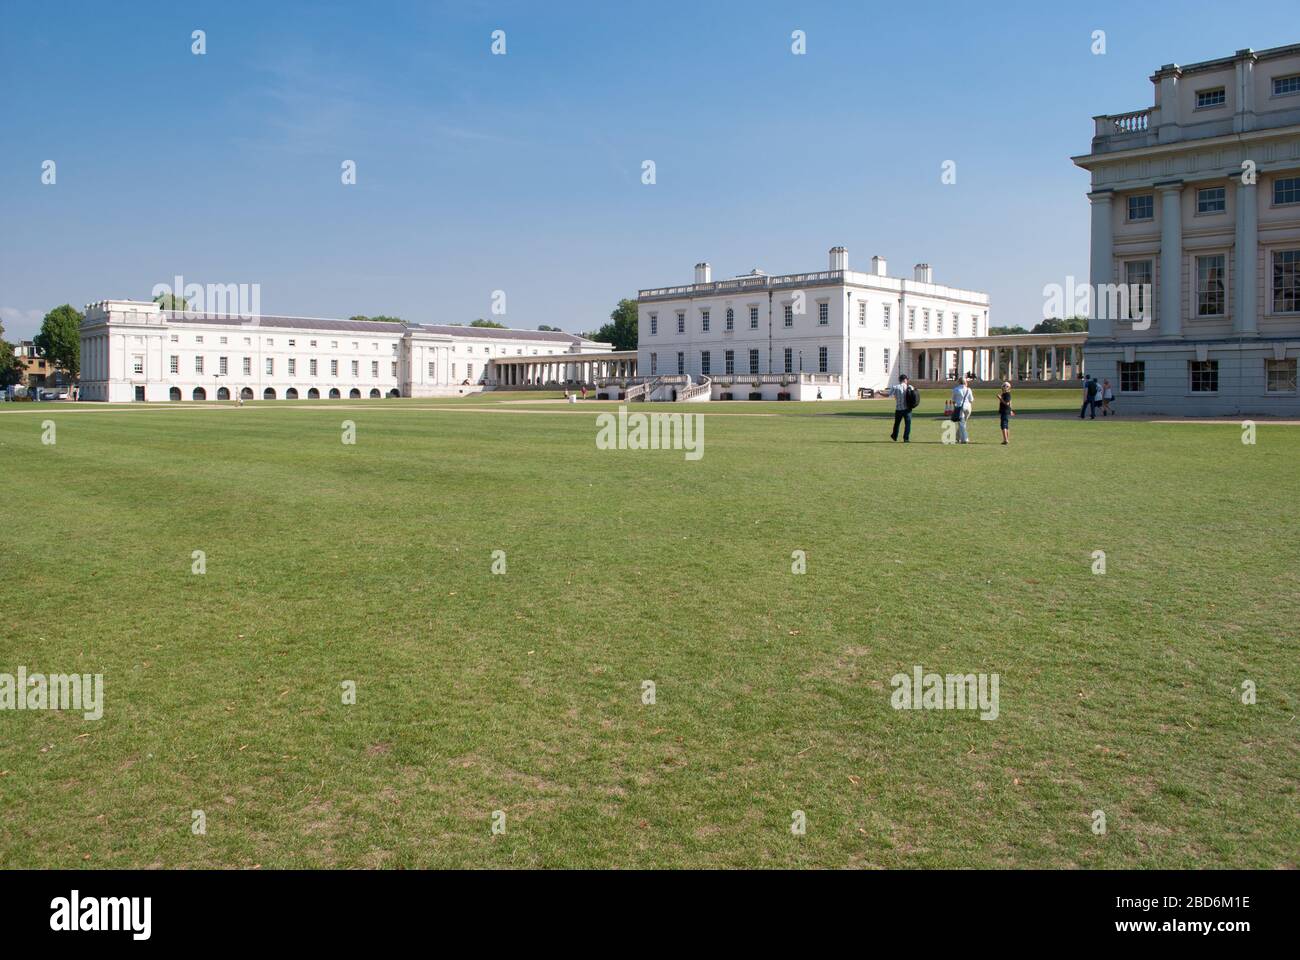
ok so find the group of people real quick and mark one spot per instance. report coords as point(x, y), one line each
point(906, 400)
point(1096, 395)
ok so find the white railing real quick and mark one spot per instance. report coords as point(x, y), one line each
point(691, 391)
point(743, 283)
point(1124, 124)
point(641, 390)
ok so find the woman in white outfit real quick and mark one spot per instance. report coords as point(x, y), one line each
point(963, 399)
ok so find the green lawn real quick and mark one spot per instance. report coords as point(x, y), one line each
point(522, 692)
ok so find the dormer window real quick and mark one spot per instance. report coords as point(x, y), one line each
point(1214, 97)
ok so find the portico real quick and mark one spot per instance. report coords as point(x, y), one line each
point(538, 371)
point(1041, 358)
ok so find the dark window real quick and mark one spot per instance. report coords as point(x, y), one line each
point(1132, 377)
point(1142, 207)
point(1286, 190)
point(1286, 281)
point(1204, 375)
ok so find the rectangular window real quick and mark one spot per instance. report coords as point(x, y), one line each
point(885, 315)
point(753, 318)
point(1286, 281)
point(223, 364)
point(1286, 190)
point(313, 343)
point(375, 372)
point(1212, 200)
point(681, 363)
point(270, 365)
point(1286, 85)
point(823, 314)
point(862, 314)
point(731, 319)
point(862, 359)
point(174, 365)
point(1214, 97)
point(753, 361)
point(704, 320)
point(938, 322)
point(293, 366)
point(1204, 375)
point(654, 324)
point(334, 368)
point(374, 368)
point(1137, 276)
point(925, 321)
point(222, 340)
point(654, 364)
point(198, 339)
point(1132, 377)
point(1210, 295)
point(311, 366)
point(248, 366)
point(911, 319)
point(393, 370)
point(356, 368)
point(823, 360)
point(1142, 207)
point(198, 364)
point(292, 342)
point(469, 371)
point(729, 362)
point(886, 359)
point(1279, 375)
point(137, 364)
point(789, 360)
point(789, 315)
point(681, 322)
point(974, 326)
point(705, 363)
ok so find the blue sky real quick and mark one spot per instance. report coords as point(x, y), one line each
point(523, 172)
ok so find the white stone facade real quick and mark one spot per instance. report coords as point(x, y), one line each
point(134, 351)
point(848, 324)
point(1199, 197)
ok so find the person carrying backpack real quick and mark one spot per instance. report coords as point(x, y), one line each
point(1090, 388)
point(905, 400)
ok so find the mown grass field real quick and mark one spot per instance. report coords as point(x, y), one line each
point(522, 692)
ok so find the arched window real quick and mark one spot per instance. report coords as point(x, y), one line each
point(223, 393)
point(246, 393)
point(394, 392)
point(174, 393)
point(354, 394)
point(268, 393)
point(334, 393)
point(313, 394)
point(374, 393)
point(291, 393)
point(200, 393)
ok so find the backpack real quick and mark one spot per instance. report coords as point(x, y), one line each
point(912, 397)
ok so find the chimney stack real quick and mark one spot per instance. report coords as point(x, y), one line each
point(878, 267)
point(923, 273)
point(703, 273)
point(839, 258)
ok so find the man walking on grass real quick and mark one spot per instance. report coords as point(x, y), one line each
point(902, 393)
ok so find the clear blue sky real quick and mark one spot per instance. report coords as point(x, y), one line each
point(522, 173)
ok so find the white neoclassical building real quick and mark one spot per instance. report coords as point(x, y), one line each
point(1197, 201)
point(830, 332)
point(132, 350)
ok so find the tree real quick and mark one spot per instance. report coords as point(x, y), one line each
point(381, 318)
point(1006, 331)
point(10, 369)
point(480, 322)
point(621, 330)
point(545, 328)
point(1073, 325)
point(169, 301)
point(60, 339)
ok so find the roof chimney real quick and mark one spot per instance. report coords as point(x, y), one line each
point(879, 267)
point(923, 273)
point(839, 258)
point(703, 273)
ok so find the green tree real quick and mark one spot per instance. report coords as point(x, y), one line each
point(169, 301)
point(378, 318)
point(1006, 331)
point(60, 339)
point(1073, 325)
point(621, 330)
point(480, 322)
point(10, 369)
point(546, 328)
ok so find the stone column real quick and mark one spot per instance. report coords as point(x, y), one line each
point(1171, 258)
point(1102, 261)
point(1245, 311)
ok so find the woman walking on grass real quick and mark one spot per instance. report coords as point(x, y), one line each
point(1005, 413)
